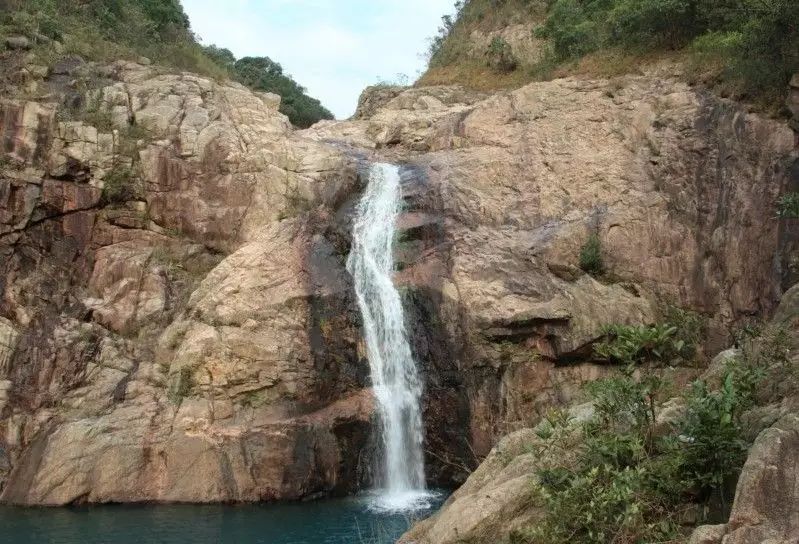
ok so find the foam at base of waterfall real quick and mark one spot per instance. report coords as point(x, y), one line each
point(393, 502)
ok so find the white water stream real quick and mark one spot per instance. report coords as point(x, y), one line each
point(395, 378)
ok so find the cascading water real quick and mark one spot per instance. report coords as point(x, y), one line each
point(395, 378)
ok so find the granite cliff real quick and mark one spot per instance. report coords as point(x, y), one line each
point(176, 322)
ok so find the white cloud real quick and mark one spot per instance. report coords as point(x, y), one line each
point(335, 48)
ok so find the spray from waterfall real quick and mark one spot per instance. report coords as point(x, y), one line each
point(397, 386)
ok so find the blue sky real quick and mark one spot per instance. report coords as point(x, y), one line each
point(334, 48)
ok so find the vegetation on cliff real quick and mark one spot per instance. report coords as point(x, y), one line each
point(635, 472)
point(749, 48)
point(108, 30)
point(264, 74)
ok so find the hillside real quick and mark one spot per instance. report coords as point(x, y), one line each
point(744, 48)
point(593, 279)
point(159, 30)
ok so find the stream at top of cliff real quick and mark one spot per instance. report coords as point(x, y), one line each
point(336, 521)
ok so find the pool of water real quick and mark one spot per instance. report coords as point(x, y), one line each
point(340, 521)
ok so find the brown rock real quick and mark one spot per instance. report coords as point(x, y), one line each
point(246, 382)
point(766, 507)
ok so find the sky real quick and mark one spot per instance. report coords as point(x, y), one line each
point(334, 48)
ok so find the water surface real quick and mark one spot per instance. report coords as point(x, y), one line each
point(339, 521)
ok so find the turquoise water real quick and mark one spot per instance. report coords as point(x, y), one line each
point(341, 521)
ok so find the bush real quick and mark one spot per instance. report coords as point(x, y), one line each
point(690, 330)
point(674, 340)
point(652, 23)
point(788, 206)
point(105, 30)
point(618, 489)
point(752, 44)
point(631, 344)
point(181, 385)
point(627, 483)
point(119, 185)
point(716, 449)
point(765, 364)
point(264, 74)
point(571, 30)
point(499, 56)
point(591, 256)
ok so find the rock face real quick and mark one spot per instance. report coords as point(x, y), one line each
point(190, 343)
point(513, 186)
point(176, 323)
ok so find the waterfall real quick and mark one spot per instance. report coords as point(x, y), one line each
point(395, 378)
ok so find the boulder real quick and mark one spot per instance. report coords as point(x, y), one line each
point(375, 97)
point(766, 507)
point(18, 42)
point(708, 534)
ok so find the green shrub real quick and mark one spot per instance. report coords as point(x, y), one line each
point(600, 505)
point(181, 385)
point(619, 487)
point(632, 344)
point(690, 330)
point(627, 483)
point(752, 44)
point(674, 340)
point(788, 206)
point(591, 260)
point(570, 29)
point(765, 366)
point(120, 185)
point(652, 23)
point(715, 449)
point(263, 74)
point(500, 57)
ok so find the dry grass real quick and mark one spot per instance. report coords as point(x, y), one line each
point(606, 64)
point(475, 76)
point(610, 63)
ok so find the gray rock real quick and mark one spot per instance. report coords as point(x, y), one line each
point(708, 534)
point(68, 65)
point(18, 42)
